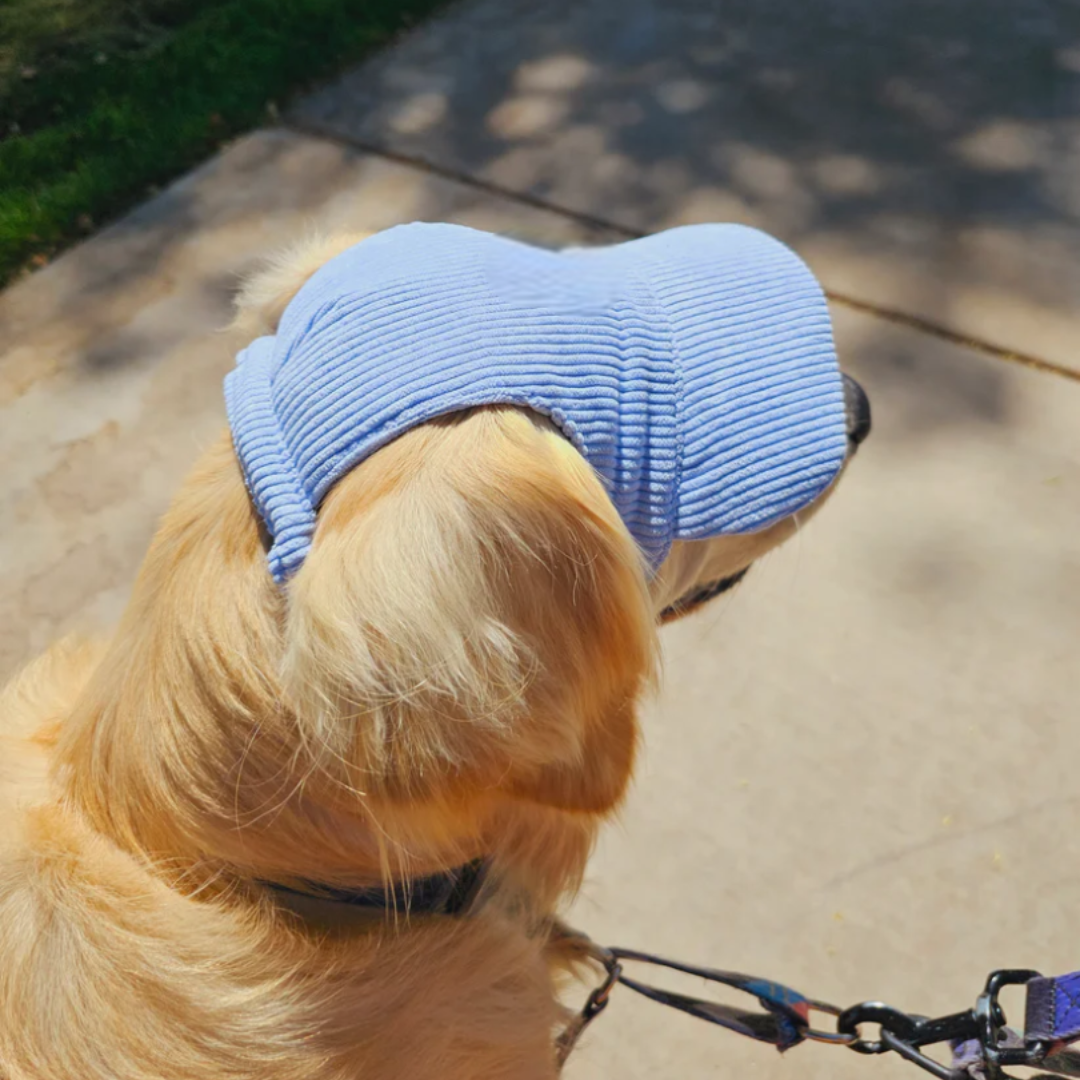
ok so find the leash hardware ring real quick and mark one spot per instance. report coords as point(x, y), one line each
point(595, 1003)
point(991, 1018)
point(832, 1038)
point(598, 1000)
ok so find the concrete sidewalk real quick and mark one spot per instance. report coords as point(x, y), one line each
point(924, 156)
point(857, 777)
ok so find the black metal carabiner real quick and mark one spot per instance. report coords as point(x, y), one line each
point(874, 1012)
point(906, 1034)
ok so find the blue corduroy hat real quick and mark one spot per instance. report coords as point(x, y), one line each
point(694, 369)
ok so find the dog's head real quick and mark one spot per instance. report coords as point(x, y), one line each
point(453, 671)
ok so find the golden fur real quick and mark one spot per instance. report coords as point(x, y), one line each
point(454, 672)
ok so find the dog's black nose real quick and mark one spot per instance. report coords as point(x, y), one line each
point(857, 405)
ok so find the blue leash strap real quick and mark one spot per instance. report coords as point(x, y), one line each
point(1053, 1008)
point(784, 1023)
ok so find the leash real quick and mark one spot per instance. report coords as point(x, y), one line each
point(981, 1041)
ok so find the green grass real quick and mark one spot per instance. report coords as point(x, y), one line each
point(102, 99)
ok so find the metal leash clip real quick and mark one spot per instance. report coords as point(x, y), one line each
point(597, 1000)
point(980, 1039)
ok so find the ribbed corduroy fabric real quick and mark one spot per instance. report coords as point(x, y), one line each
point(694, 369)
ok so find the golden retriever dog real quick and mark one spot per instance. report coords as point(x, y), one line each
point(452, 676)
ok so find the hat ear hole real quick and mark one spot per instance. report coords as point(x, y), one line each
point(267, 292)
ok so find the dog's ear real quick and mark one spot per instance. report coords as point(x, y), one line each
point(473, 617)
point(266, 293)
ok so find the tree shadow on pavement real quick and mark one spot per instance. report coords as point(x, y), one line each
point(924, 157)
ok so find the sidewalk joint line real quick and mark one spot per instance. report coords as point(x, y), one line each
point(314, 129)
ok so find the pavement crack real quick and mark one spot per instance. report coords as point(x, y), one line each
point(313, 129)
point(922, 846)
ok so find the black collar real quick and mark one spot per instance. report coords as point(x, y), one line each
point(685, 604)
point(451, 893)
